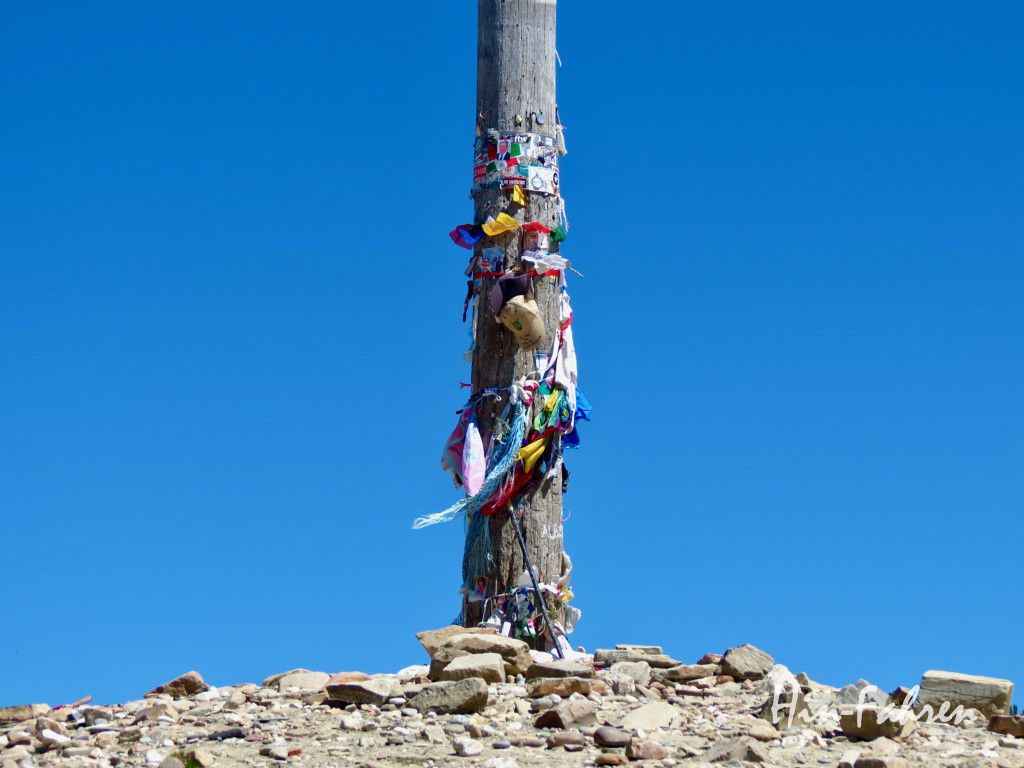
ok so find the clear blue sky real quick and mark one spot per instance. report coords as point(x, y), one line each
point(231, 348)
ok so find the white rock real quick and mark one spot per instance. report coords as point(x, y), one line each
point(467, 747)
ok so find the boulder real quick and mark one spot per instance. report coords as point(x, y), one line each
point(571, 713)
point(467, 747)
point(302, 679)
point(373, 690)
point(746, 663)
point(682, 673)
point(990, 695)
point(866, 723)
point(452, 697)
point(607, 736)
point(611, 758)
point(188, 684)
point(605, 657)
point(651, 649)
point(515, 653)
point(654, 714)
point(741, 748)
point(885, 761)
point(854, 693)
point(20, 712)
point(1007, 725)
point(645, 749)
point(432, 639)
point(563, 686)
point(487, 666)
point(560, 668)
point(339, 678)
point(640, 671)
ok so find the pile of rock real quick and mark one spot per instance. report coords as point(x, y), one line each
point(489, 699)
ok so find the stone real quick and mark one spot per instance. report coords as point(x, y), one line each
point(303, 680)
point(172, 762)
point(20, 712)
point(865, 723)
point(682, 673)
point(559, 668)
point(202, 758)
point(861, 691)
point(188, 684)
point(645, 749)
point(741, 748)
point(651, 649)
point(848, 758)
point(605, 657)
point(640, 671)
point(515, 653)
point(432, 639)
point(746, 663)
point(1007, 725)
point(565, 738)
point(467, 747)
point(607, 736)
point(154, 712)
point(456, 697)
point(655, 714)
point(880, 761)
point(51, 738)
point(710, 658)
point(611, 758)
point(373, 690)
point(564, 686)
point(990, 695)
point(571, 713)
point(762, 731)
point(487, 666)
point(340, 678)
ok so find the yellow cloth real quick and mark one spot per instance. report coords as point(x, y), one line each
point(530, 454)
point(502, 223)
point(517, 196)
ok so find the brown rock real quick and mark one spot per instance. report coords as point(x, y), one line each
point(611, 758)
point(572, 713)
point(683, 673)
point(514, 653)
point(21, 712)
point(433, 639)
point(565, 738)
point(1007, 725)
point(605, 657)
point(746, 663)
point(188, 684)
point(742, 748)
point(459, 697)
point(607, 736)
point(560, 668)
point(990, 695)
point(340, 678)
point(487, 666)
point(373, 690)
point(645, 749)
point(880, 761)
point(865, 723)
point(710, 658)
point(564, 686)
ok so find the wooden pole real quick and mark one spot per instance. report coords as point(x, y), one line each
point(516, 92)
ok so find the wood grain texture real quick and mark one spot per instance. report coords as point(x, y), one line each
point(516, 76)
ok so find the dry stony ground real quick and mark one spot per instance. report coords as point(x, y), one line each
point(486, 701)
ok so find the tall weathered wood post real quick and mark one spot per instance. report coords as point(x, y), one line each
point(516, 92)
